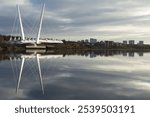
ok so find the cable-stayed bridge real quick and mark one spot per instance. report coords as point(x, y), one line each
point(34, 42)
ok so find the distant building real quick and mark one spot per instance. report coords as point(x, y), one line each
point(106, 43)
point(131, 42)
point(125, 42)
point(109, 43)
point(93, 41)
point(86, 40)
point(118, 44)
point(102, 43)
point(141, 43)
point(82, 41)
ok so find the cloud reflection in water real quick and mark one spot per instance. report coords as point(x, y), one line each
point(77, 77)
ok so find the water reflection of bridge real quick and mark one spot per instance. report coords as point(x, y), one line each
point(38, 57)
point(86, 53)
point(22, 59)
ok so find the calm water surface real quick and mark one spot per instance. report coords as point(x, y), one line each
point(84, 76)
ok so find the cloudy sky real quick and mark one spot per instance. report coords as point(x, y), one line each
point(79, 19)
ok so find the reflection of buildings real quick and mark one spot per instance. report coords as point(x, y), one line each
point(86, 53)
point(92, 55)
point(37, 57)
point(97, 53)
point(131, 54)
point(124, 53)
point(140, 53)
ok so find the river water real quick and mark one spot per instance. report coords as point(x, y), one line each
point(81, 76)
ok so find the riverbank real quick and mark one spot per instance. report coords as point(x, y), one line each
point(74, 47)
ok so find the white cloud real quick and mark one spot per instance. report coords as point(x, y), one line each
point(13, 2)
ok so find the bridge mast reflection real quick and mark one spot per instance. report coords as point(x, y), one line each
point(38, 57)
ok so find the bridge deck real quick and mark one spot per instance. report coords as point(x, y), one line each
point(36, 47)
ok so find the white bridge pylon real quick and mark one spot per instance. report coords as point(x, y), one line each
point(36, 40)
point(23, 39)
